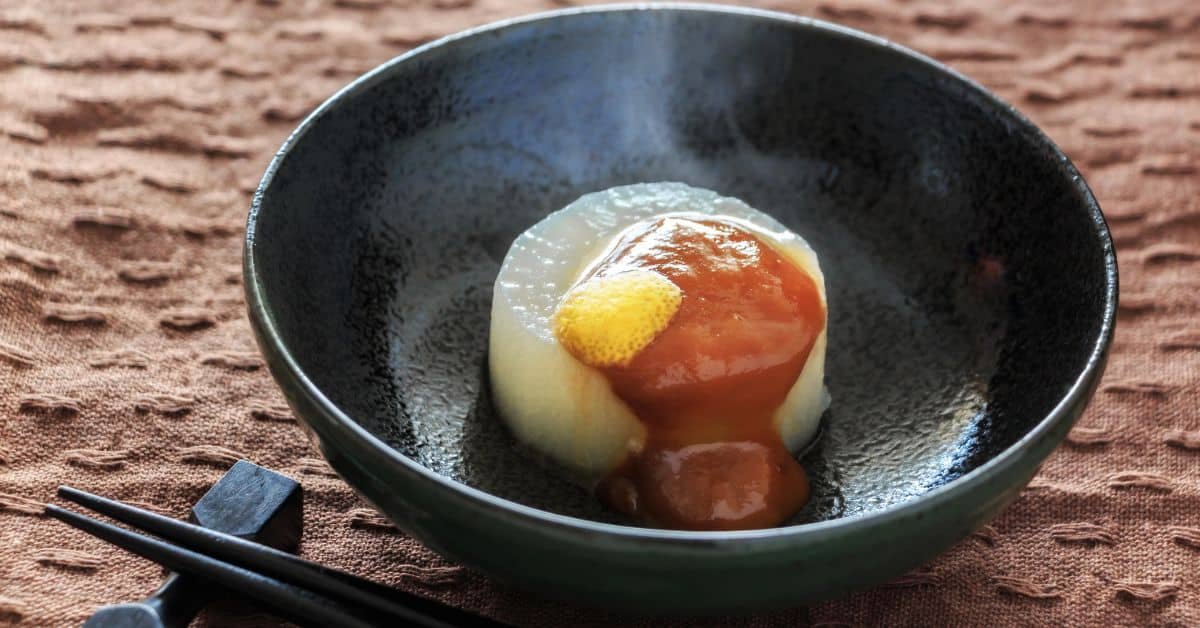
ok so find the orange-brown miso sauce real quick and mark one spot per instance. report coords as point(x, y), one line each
point(708, 386)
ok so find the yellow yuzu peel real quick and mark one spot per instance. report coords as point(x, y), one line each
point(606, 321)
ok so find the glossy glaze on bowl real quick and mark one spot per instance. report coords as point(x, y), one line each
point(971, 285)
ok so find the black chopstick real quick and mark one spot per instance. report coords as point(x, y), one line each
point(261, 560)
point(293, 603)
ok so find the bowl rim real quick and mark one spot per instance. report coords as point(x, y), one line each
point(1084, 383)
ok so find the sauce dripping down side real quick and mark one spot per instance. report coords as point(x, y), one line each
point(708, 386)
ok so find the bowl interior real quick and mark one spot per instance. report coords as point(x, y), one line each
point(964, 265)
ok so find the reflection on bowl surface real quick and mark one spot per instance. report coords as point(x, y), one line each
point(971, 285)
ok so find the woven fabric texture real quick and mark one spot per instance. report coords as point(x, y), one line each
point(132, 133)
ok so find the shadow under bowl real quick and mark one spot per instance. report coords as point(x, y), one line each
point(971, 285)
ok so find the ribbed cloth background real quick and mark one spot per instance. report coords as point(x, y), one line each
point(132, 133)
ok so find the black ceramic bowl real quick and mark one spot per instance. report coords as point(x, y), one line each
point(971, 285)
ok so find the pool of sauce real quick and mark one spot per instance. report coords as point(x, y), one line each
point(708, 386)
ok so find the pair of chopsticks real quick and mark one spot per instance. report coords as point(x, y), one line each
point(301, 591)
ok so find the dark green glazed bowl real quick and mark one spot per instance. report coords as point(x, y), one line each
point(971, 280)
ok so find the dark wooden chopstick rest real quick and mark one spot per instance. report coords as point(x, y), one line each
point(249, 502)
point(302, 591)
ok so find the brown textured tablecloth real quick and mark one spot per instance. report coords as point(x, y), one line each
point(133, 132)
